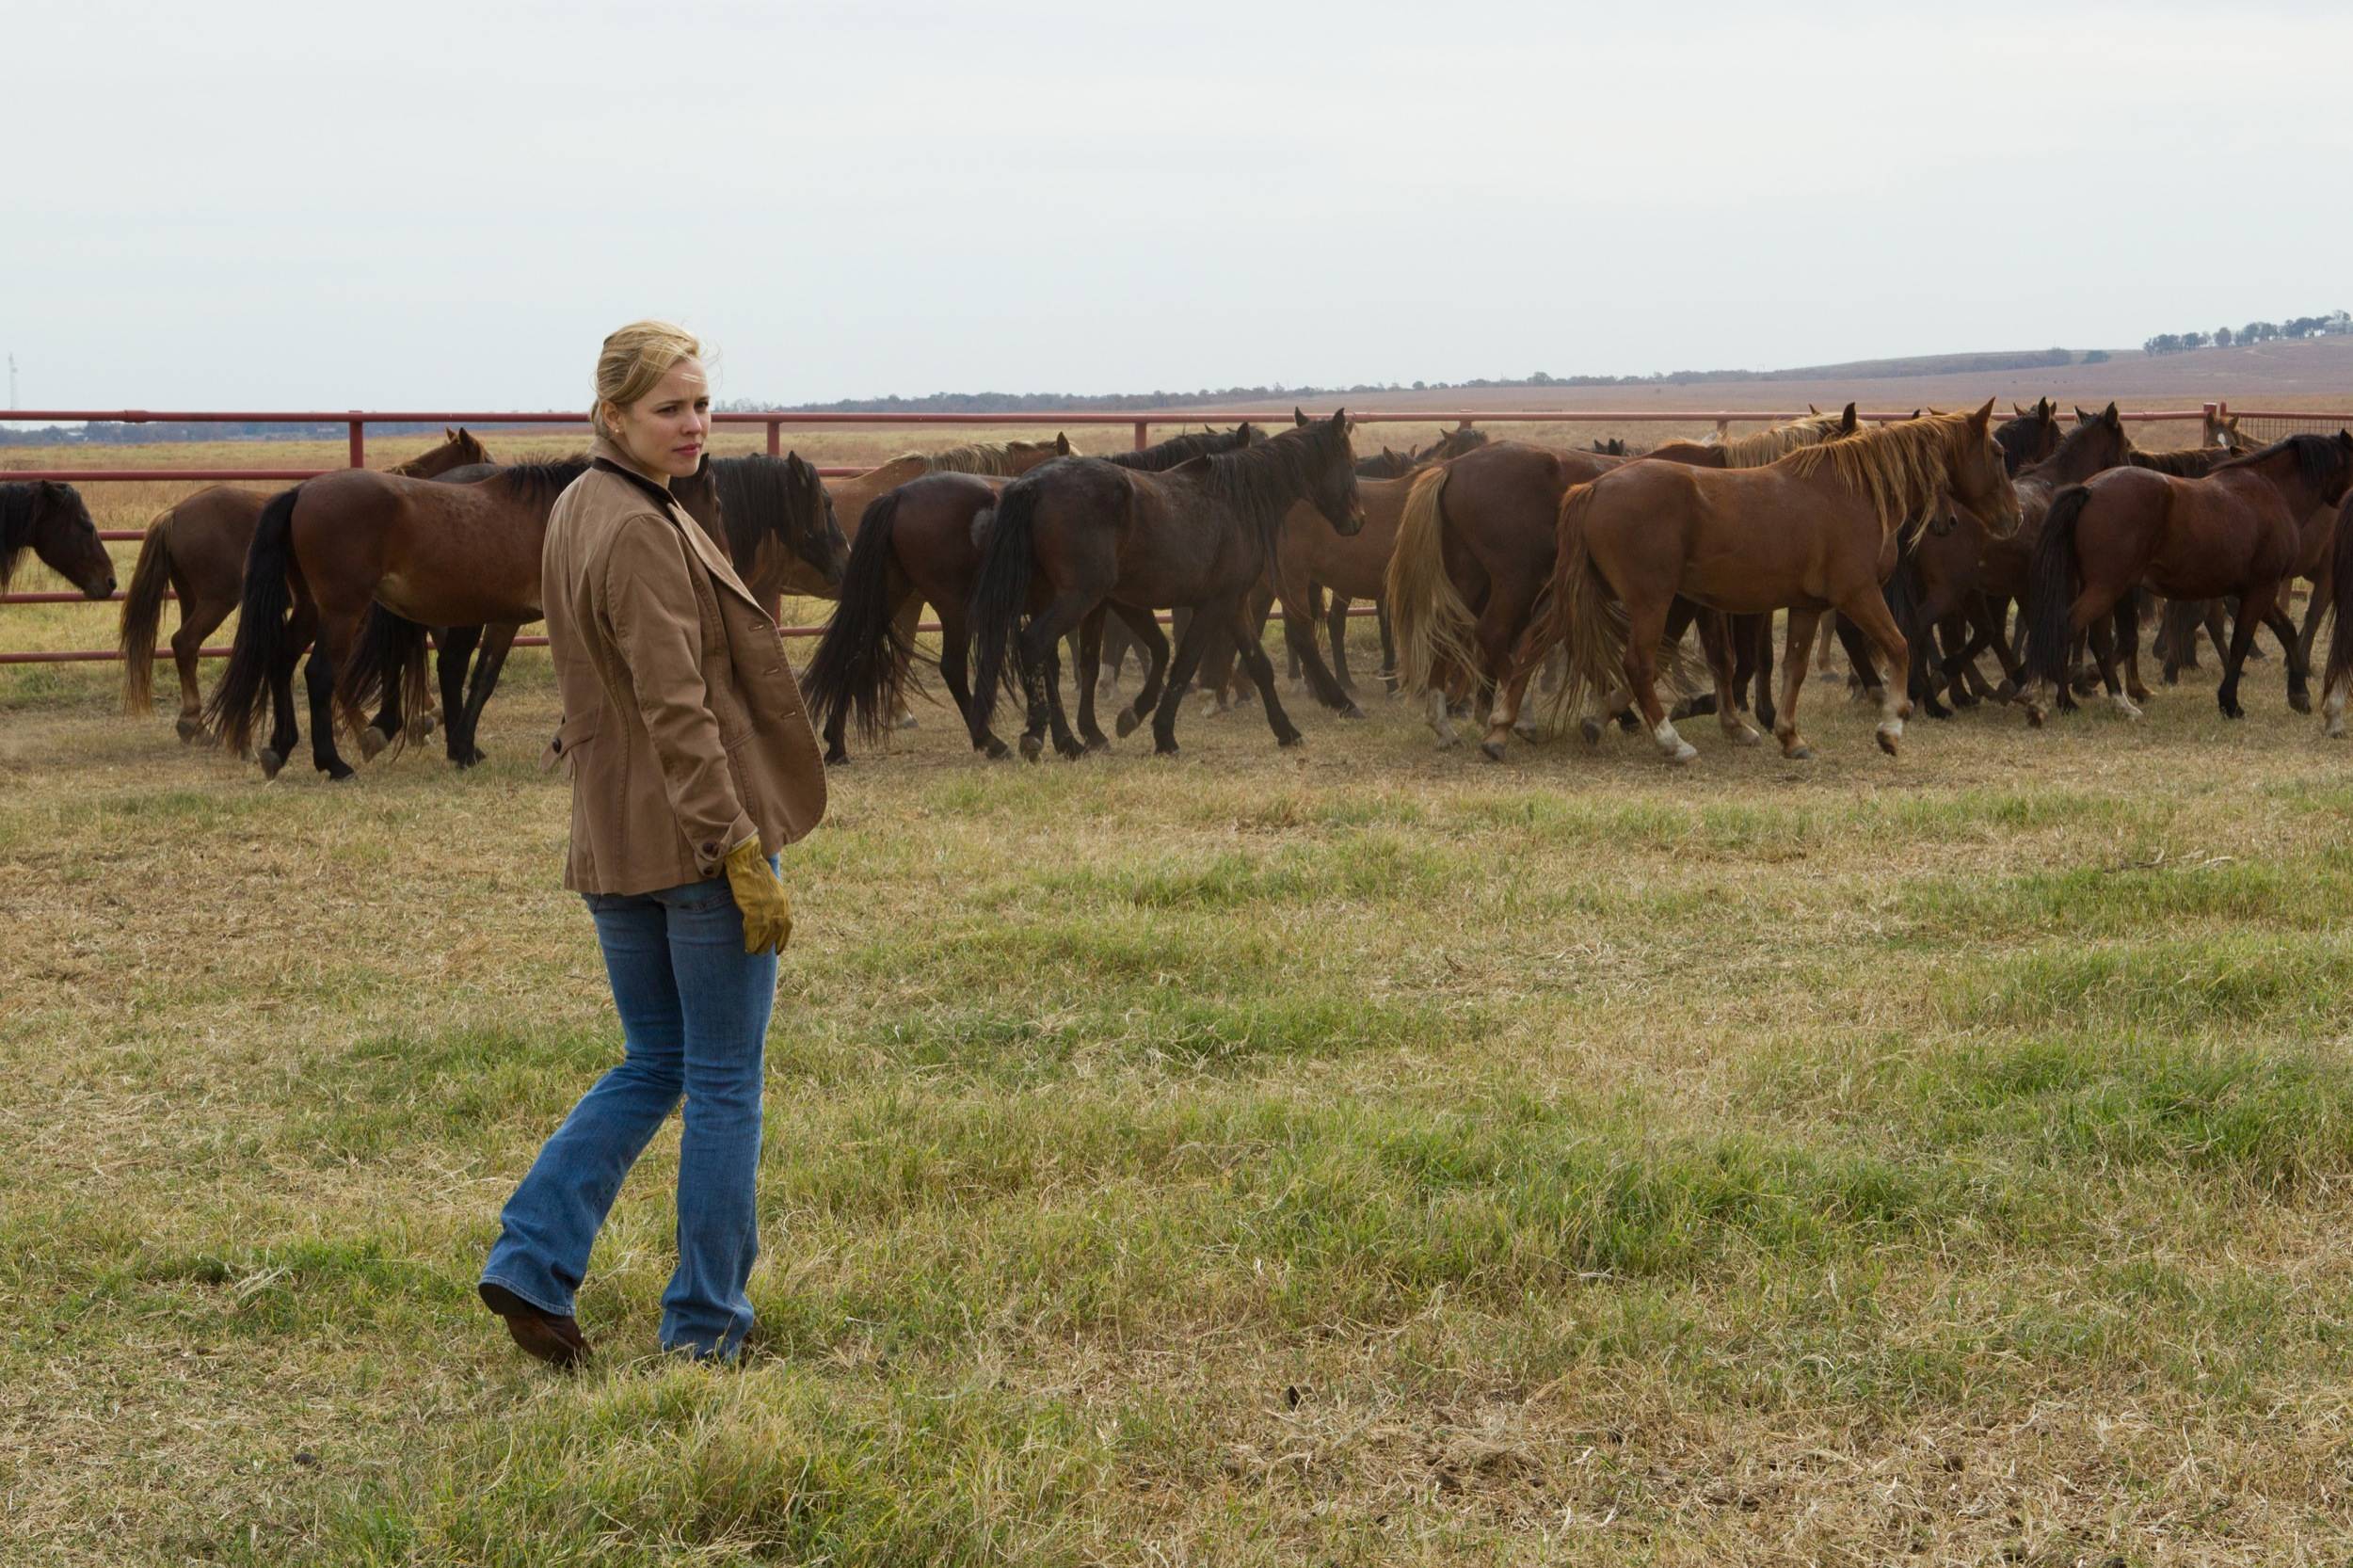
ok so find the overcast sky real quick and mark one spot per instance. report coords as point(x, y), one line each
point(430, 205)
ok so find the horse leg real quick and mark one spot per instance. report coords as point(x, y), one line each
point(302, 630)
point(2284, 627)
point(2254, 604)
point(1716, 638)
point(910, 616)
point(955, 672)
point(1298, 634)
point(188, 652)
point(1645, 632)
point(1799, 642)
point(1144, 628)
point(2128, 638)
point(1335, 630)
point(2323, 590)
point(318, 677)
point(1498, 631)
point(1090, 662)
point(1872, 686)
point(1041, 672)
point(498, 640)
point(1261, 671)
point(1864, 608)
point(1388, 643)
point(449, 669)
point(1190, 642)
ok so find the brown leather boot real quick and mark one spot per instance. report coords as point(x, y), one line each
point(554, 1340)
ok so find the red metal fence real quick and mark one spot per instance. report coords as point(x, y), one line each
point(356, 423)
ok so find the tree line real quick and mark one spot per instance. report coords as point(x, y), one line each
point(2335, 324)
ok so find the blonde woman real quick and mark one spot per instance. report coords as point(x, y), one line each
point(692, 763)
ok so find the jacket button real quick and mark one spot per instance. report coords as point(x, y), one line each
point(709, 850)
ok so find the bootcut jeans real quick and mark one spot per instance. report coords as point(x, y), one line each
point(695, 1009)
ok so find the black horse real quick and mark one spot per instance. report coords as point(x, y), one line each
point(49, 519)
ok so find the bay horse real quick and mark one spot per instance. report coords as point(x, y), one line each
point(49, 519)
point(853, 493)
point(196, 550)
point(2339, 676)
point(2239, 530)
point(772, 516)
point(2029, 435)
point(1080, 532)
point(1812, 532)
point(918, 544)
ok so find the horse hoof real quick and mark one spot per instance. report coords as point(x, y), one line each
point(1491, 750)
point(1097, 747)
point(1163, 748)
point(372, 744)
point(428, 723)
point(1293, 739)
point(1352, 712)
point(1126, 723)
point(1684, 756)
point(2300, 701)
point(339, 773)
point(833, 760)
point(906, 721)
point(1447, 742)
point(271, 762)
point(1744, 736)
point(1071, 753)
point(1799, 754)
point(189, 730)
point(996, 750)
point(1887, 743)
point(1032, 748)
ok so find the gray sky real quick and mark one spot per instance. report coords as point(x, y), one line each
point(433, 205)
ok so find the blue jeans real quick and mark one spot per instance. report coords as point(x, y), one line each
point(695, 1014)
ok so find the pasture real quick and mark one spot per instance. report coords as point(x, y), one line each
point(1354, 1155)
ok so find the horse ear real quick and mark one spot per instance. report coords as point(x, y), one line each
point(1299, 415)
point(1809, 409)
point(2108, 416)
point(1845, 421)
point(1062, 444)
point(1340, 418)
point(1984, 415)
point(2046, 408)
point(2015, 409)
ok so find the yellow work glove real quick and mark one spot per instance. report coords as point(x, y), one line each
point(767, 910)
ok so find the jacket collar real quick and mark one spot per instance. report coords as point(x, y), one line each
point(606, 455)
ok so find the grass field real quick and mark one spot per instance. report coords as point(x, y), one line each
point(1357, 1155)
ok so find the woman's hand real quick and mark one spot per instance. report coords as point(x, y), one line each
point(767, 909)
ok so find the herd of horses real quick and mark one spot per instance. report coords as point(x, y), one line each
point(1493, 565)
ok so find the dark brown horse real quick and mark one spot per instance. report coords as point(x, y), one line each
point(2239, 530)
point(48, 519)
point(196, 549)
point(853, 493)
point(2029, 435)
point(920, 544)
point(771, 515)
point(1078, 533)
point(1814, 531)
point(2339, 677)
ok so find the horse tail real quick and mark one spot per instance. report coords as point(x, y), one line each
point(142, 611)
point(264, 608)
point(1000, 595)
point(2341, 603)
point(2051, 588)
point(1579, 611)
point(391, 651)
point(1428, 620)
point(861, 662)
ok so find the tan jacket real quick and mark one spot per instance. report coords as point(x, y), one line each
point(684, 731)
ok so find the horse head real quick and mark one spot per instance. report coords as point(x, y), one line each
point(50, 519)
point(1977, 475)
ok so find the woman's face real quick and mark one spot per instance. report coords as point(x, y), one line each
point(666, 430)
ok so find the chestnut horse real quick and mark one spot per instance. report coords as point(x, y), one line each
point(1080, 532)
point(2241, 530)
point(920, 544)
point(1814, 531)
point(50, 519)
point(1475, 551)
point(196, 549)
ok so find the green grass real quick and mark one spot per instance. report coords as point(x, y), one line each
point(1356, 1154)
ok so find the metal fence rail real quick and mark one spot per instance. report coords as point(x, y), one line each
point(354, 422)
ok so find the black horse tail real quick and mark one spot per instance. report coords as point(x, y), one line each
point(1000, 596)
point(1902, 593)
point(2051, 588)
point(142, 612)
point(263, 612)
point(391, 653)
point(861, 662)
point(2341, 603)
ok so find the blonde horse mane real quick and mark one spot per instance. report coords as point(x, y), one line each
point(1767, 446)
point(1900, 467)
point(989, 457)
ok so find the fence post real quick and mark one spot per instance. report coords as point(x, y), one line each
point(1143, 441)
point(358, 442)
point(776, 437)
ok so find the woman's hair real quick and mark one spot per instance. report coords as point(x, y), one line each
point(635, 358)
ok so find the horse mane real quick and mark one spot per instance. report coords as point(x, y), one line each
point(1260, 482)
point(1767, 446)
point(1900, 467)
point(757, 495)
point(537, 484)
point(20, 505)
point(2320, 458)
point(1183, 449)
point(992, 457)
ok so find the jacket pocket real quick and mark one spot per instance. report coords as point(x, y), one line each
point(571, 735)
